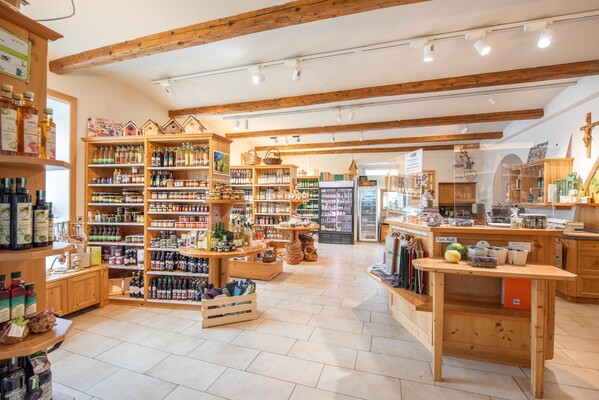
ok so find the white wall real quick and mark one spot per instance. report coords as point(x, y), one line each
point(104, 98)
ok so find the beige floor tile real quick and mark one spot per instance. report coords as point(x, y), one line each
point(342, 339)
point(485, 383)
point(132, 315)
point(323, 300)
point(305, 290)
point(559, 357)
point(388, 331)
point(187, 372)
point(307, 393)
point(58, 354)
point(365, 305)
point(224, 354)
point(324, 285)
point(279, 295)
point(67, 391)
point(583, 359)
point(360, 384)
point(270, 302)
point(158, 310)
point(195, 315)
point(297, 317)
point(299, 306)
point(91, 322)
point(348, 313)
point(344, 296)
point(484, 366)
point(106, 309)
point(581, 332)
point(288, 329)
point(133, 357)
point(401, 348)
point(383, 318)
point(241, 385)
point(224, 334)
point(571, 376)
point(420, 391)
point(183, 393)
point(127, 331)
point(264, 341)
point(360, 289)
point(576, 343)
point(168, 323)
point(286, 368)
point(80, 373)
point(249, 325)
point(340, 324)
point(130, 385)
point(394, 367)
point(554, 391)
point(88, 344)
point(171, 342)
point(324, 353)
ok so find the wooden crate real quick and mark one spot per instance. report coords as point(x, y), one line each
point(228, 307)
point(256, 269)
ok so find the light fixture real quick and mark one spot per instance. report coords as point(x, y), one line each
point(361, 136)
point(339, 116)
point(167, 85)
point(427, 46)
point(545, 38)
point(246, 124)
point(258, 76)
point(482, 47)
point(286, 139)
point(492, 99)
point(465, 129)
point(546, 33)
point(297, 138)
point(350, 115)
point(332, 138)
point(237, 124)
point(296, 74)
point(274, 139)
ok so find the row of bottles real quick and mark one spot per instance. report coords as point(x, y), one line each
point(273, 208)
point(26, 378)
point(307, 183)
point(136, 285)
point(167, 179)
point(122, 215)
point(127, 196)
point(168, 240)
point(237, 235)
point(173, 261)
point(272, 194)
point(265, 220)
point(189, 222)
point(178, 195)
point(118, 177)
point(241, 177)
point(122, 154)
point(271, 233)
point(238, 210)
point(126, 257)
point(184, 155)
point(18, 299)
point(21, 131)
point(173, 288)
point(279, 176)
point(170, 207)
point(22, 224)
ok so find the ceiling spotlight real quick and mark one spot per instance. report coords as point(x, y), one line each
point(339, 116)
point(492, 99)
point(545, 38)
point(361, 136)
point(546, 33)
point(351, 115)
point(274, 139)
point(332, 138)
point(465, 129)
point(429, 49)
point(296, 75)
point(297, 138)
point(246, 124)
point(482, 47)
point(167, 85)
point(237, 124)
point(258, 76)
point(286, 139)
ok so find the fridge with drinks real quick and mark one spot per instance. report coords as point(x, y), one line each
point(368, 214)
point(336, 212)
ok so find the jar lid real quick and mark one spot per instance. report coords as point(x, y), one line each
point(30, 286)
point(7, 87)
point(28, 95)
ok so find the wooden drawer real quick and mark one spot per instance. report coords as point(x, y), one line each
point(585, 246)
point(56, 297)
point(588, 286)
point(588, 263)
point(84, 291)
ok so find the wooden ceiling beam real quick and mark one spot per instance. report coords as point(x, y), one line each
point(405, 123)
point(403, 140)
point(266, 19)
point(499, 78)
point(367, 150)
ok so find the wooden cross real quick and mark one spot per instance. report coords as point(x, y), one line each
point(587, 138)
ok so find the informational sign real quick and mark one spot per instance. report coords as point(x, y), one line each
point(413, 162)
point(446, 239)
point(520, 245)
point(15, 55)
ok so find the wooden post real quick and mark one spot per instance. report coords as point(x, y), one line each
point(537, 340)
point(438, 301)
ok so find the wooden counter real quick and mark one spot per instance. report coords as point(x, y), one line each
point(76, 290)
point(580, 256)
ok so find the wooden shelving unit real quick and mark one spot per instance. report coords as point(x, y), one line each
point(523, 179)
point(309, 208)
point(36, 342)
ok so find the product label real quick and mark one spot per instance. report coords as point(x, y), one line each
point(24, 223)
point(4, 224)
point(32, 134)
point(9, 130)
point(4, 310)
point(30, 305)
point(47, 389)
point(50, 230)
point(17, 394)
point(17, 307)
point(51, 142)
point(40, 226)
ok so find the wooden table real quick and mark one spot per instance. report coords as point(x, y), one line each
point(218, 271)
point(296, 231)
point(539, 276)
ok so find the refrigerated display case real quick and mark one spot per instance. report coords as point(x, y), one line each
point(336, 212)
point(309, 210)
point(368, 212)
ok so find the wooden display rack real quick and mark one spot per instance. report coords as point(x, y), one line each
point(228, 310)
point(523, 179)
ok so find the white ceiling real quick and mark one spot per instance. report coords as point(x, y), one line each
point(101, 23)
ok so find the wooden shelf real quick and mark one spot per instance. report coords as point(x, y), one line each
point(116, 204)
point(223, 201)
point(116, 185)
point(115, 165)
point(153, 228)
point(177, 302)
point(273, 184)
point(124, 297)
point(199, 168)
point(177, 273)
point(34, 253)
point(127, 244)
point(172, 189)
point(35, 163)
point(240, 185)
point(175, 201)
point(124, 267)
point(116, 223)
point(36, 342)
point(272, 201)
point(176, 250)
point(273, 214)
point(176, 213)
point(191, 252)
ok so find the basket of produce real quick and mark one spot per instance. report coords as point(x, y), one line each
point(42, 321)
point(14, 331)
point(251, 158)
point(269, 256)
point(272, 157)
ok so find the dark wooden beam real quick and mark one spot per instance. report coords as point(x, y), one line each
point(405, 123)
point(402, 140)
point(266, 19)
point(499, 78)
point(367, 150)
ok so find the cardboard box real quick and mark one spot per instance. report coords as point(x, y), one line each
point(95, 253)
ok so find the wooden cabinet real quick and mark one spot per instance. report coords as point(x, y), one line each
point(462, 193)
point(582, 259)
point(83, 291)
point(524, 179)
point(77, 290)
point(56, 297)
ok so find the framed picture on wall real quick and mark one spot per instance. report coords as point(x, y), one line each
point(538, 152)
point(221, 162)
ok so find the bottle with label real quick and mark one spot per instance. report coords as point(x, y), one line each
point(17, 296)
point(28, 128)
point(4, 300)
point(48, 128)
point(5, 213)
point(13, 382)
point(50, 224)
point(30, 299)
point(8, 122)
point(40, 220)
point(540, 180)
point(21, 225)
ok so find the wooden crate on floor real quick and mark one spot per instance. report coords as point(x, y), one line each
point(256, 269)
point(228, 310)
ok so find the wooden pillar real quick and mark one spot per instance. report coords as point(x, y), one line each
point(438, 305)
point(538, 332)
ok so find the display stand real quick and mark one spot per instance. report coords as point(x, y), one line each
point(296, 231)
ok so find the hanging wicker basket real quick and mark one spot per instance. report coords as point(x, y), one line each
point(251, 158)
point(273, 157)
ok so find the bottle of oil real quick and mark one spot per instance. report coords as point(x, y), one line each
point(48, 128)
point(29, 134)
point(50, 224)
point(21, 226)
point(40, 220)
point(5, 213)
point(8, 122)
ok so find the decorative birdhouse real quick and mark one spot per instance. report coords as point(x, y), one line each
point(353, 168)
point(193, 125)
point(172, 127)
point(130, 129)
point(151, 128)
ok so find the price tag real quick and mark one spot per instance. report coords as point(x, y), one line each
point(447, 239)
point(16, 331)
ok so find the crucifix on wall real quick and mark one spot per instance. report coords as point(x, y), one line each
point(587, 138)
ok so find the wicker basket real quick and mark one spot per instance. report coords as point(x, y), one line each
point(268, 256)
point(251, 158)
point(295, 253)
point(274, 159)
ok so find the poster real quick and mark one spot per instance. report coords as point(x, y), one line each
point(103, 127)
point(15, 55)
point(538, 152)
point(413, 162)
point(221, 163)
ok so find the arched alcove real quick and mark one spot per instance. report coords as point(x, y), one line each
point(502, 178)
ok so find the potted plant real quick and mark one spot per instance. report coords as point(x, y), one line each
point(594, 192)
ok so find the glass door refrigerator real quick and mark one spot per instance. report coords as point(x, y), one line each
point(336, 212)
point(368, 214)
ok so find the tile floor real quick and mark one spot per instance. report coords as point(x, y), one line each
point(323, 333)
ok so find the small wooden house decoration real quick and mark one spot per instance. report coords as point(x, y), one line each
point(193, 125)
point(151, 128)
point(353, 168)
point(130, 129)
point(172, 127)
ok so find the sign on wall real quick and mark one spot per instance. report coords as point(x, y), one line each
point(413, 163)
point(15, 56)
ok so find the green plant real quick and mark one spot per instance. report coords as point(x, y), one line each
point(595, 184)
